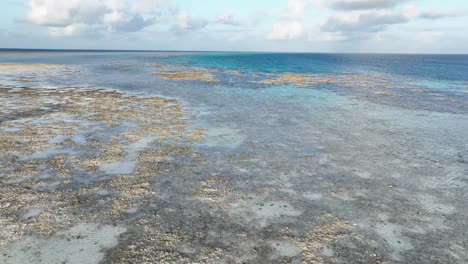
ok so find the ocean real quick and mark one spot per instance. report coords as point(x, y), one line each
point(378, 141)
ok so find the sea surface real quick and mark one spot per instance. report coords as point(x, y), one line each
point(379, 140)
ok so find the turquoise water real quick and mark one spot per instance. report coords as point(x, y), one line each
point(435, 82)
point(279, 111)
point(442, 67)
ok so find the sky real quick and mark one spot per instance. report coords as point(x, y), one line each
point(369, 26)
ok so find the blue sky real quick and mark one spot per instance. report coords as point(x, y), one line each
point(396, 26)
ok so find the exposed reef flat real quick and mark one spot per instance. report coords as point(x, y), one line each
point(201, 76)
point(83, 172)
point(30, 74)
point(14, 68)
point(55, 147)
point(27, 72)
point(298, 80)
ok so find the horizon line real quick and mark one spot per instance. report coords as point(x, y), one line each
point(211, 51)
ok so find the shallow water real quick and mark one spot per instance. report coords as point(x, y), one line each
point(382, 148)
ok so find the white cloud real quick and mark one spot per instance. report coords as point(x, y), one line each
point(329, 37)
point(132, 23)
point(147, 6)
point(74, 30)
point(296, 9)
point(346, 20)
point(286, 30)
point(364, 4)
point(290, 27)
point(71, 17)
point(363, 19)
point(366, 22)
point(64, 13)
point(185, 23)
point(310, 23)
point(439, 14)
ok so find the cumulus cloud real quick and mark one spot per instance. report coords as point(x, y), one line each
point(147, 6)
point(185, 23)
point(369, 22)
point(308, 22)
point(63, 13)
point(439, 14)
point(296, 9)
point(348, 16)
point(76, 17)
point(75, 30)
point(357, 20)
point(291, 27)
point(287, 30)
point(346, 5)
point(133, 23)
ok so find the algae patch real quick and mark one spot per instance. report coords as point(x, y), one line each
point(297, 80)
point(179, 76)
point(383, 94)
